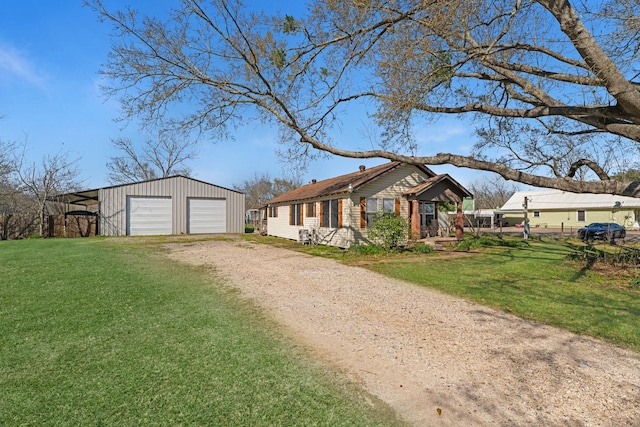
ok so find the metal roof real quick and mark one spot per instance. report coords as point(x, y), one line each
point(90, 197)
point(558, 199)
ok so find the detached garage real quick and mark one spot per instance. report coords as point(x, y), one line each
point(173, 205)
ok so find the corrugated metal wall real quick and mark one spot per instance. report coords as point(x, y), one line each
point(113, 203)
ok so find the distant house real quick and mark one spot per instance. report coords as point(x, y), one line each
point(338, 211)
point(556, 208)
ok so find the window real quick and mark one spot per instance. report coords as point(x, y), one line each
point(536, 214)
point(331, 213)
point(582, 216)
point(295, 211)
point(388, 205)
point(273, 211)
point(311, 209)
point(372, 208)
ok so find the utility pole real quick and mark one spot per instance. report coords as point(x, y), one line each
point(525, 205)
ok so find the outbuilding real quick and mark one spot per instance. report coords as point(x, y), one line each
point(172, 205)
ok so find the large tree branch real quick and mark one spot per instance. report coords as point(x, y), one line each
point(604, 68)
point(567, 184)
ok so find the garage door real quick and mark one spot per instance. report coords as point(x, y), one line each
point(149, 216)
point(207, 216)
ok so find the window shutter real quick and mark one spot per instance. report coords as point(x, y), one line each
point(301, 214)
point(339, 213)
point(322, 224)
point(290, 214)
point(397, 207)
point(363, 212)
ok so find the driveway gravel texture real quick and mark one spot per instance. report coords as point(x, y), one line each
point(437, 360)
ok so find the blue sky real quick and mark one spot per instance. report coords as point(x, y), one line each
point(50, 54)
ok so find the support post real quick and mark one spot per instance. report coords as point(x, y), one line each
point(459, 221)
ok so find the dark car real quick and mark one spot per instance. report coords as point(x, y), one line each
point(602, 231)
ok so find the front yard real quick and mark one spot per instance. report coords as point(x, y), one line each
point(102, 333)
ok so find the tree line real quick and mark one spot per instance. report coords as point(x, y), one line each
point(32, 190)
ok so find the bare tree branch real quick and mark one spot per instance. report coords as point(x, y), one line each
point(546, 95)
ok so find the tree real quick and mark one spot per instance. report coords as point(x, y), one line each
point(10, 196)
point(57, 174)
point(158, 158)
point(550, 85)
point(492, 192)
point(261, 188)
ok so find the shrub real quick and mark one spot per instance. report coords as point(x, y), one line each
point(388, 230)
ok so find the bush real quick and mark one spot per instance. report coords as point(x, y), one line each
point(388, 230)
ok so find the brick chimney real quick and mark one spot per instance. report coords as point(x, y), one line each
point(313, 181)
point(362, 168)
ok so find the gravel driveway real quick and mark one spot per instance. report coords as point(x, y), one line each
point(436, 359)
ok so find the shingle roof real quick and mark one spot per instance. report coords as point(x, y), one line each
point(339, 184)
point(558, 199)
point(430, 182)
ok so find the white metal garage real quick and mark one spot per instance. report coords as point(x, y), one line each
point(149, 216)
point(207, 216)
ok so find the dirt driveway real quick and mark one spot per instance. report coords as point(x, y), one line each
point(436, 359)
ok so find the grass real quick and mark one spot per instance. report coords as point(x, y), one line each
point(102, 333)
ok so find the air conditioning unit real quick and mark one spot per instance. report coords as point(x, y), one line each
point(304, 237)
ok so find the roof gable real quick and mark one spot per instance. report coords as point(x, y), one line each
point(340, 184)
point(455, 191)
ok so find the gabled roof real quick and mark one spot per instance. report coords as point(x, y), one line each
point(340, 184)
point(430, 182)
point(558, 199)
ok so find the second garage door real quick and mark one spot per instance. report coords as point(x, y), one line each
point(207, 216)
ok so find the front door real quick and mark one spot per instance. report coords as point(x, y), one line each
point(428, 224)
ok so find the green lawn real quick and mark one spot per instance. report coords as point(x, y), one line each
point(102, 333)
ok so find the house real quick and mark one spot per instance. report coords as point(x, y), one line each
point(338, 211)
point(172, 205)
point(557, 209)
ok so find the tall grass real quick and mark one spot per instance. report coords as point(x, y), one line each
point(101, 333)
